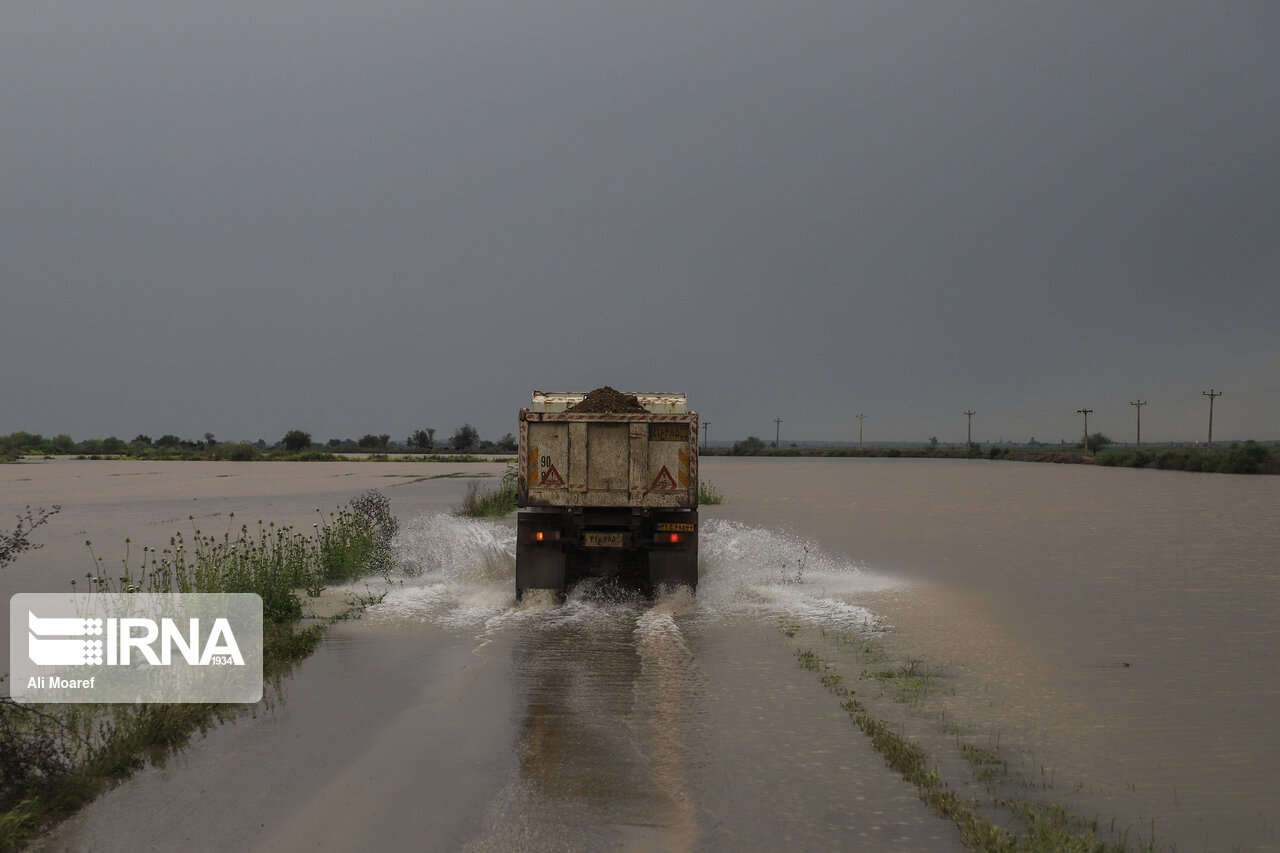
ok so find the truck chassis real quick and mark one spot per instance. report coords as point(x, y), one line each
point(635, 548)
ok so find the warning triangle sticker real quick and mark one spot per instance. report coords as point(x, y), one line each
point(551, 479)
point(664, 482)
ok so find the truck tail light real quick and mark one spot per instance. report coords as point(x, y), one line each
point(546, 535)
point(668, 538)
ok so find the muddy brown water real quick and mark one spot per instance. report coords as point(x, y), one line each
point(1111, 634)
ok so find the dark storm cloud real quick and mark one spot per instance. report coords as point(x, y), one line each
point(246, 217)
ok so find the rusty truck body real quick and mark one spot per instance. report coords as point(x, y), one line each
point(607, 494)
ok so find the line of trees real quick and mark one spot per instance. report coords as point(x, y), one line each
point(1247, 457)
point(465, 439)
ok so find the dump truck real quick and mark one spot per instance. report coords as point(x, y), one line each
point(608, 488)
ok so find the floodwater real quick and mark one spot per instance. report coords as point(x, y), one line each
point(1110, 634)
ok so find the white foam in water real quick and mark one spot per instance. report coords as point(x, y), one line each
point(754, 570)
point(462, 572)
point(458, 548)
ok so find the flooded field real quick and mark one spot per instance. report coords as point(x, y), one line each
point(1111, 635)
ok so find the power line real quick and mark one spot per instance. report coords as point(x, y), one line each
point(1261, 393)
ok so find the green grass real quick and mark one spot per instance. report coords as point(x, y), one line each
point(1043, 828)
point(987, 765)
point(910, 682)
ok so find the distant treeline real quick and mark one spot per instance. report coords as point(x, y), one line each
point(296, 445)
point(1248, 457)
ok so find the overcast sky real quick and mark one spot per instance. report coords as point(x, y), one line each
point(248, 216)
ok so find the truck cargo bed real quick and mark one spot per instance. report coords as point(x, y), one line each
point(570, 459)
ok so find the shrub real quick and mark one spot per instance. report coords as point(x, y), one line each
point(1244, 459)
point(13, 544)
point(374, 510)
point(1127, 458)
point(1095, 442)
point(480, 503)
point(241, 451)
point(312, 456)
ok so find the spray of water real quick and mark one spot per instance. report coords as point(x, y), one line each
point(461, 572)
point(457, 571)
point(754, 571)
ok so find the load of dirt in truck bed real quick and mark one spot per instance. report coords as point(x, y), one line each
point(608, 401)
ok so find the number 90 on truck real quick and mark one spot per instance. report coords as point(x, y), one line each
point(608, 488)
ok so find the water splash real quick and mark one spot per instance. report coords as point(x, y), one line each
point(756, 571)
point(457, 549)
point(461, 572)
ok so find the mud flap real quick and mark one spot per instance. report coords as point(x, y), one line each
point(673, 568)
point(539, 565)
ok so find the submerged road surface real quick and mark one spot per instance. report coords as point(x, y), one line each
point(448, 719)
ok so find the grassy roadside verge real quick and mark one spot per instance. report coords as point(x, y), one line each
point(995, 823)
point(56, 758)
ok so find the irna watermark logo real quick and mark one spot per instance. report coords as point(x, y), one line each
point(135, 647)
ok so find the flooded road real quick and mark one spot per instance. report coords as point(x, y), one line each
point(1111, 634)
point(447, 719)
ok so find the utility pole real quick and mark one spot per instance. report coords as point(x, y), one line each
point(1086, 413)
point(706, 431)
point(969, 437)
point(860, 419)
point(777, 432)
point(1211, 394)
point(1138, 405)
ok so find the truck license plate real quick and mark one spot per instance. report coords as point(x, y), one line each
point(596, 539)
